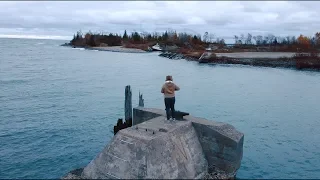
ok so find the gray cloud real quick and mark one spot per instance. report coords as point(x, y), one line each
point(223, 18)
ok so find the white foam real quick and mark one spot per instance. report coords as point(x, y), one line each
point(81, 49)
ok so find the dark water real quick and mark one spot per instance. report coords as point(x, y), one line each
point(59, 105)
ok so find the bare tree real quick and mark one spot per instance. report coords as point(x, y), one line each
point(206, 37)
point(211, 37)
point(222, 42)
point(242, 39)
point(259, 40)
point(288, 39)
point(218, 40)
point(236, 38)
point(248, 40)
point(255, 38)
point(293, 40)
point(144, 35)
point(271, 38)
point(183, 37)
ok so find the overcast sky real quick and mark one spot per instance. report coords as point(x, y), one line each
point(223, 18)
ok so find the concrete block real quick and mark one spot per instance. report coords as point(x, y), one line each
point(155, 148)
point(222, 144)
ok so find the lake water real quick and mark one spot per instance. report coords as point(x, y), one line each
point(59, 105)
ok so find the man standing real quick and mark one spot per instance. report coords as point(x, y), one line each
point(168, 90)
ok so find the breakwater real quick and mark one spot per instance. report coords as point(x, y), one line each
point(263, 61)
point(190, 147)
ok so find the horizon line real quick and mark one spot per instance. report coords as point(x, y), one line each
point(44, 37)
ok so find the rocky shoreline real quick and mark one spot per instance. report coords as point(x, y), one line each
point(283, 62)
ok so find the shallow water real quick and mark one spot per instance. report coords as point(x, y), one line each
point(59, 105)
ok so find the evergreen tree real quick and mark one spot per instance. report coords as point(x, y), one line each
point(125, 35)
point(136, 37)
point(165, 36)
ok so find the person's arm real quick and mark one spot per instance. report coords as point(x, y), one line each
point(162, 89)
point(176, 87)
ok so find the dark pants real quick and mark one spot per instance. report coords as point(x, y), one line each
point(169, 102)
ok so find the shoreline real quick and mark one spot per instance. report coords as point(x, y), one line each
point(281, 61)
point(120, 49)
point(260, 59)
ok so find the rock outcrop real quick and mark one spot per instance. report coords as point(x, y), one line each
point(208, 57)
point(153, 148)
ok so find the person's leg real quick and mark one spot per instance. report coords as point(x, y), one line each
point(167, 104)
point(173, 101)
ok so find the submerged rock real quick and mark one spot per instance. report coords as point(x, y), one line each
point(74, 174)
point(66, 44)
point(171, 55)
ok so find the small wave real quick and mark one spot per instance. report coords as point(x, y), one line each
point(40, 43)
point(14, 81)
point(81, 49)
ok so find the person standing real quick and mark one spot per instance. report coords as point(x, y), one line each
point(168, 89)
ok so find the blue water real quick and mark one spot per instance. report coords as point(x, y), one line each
point(59, 105)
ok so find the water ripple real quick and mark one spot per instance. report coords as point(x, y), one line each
point(59, 105)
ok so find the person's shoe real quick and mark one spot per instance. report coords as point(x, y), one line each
point(170, 119)
point(173, 119)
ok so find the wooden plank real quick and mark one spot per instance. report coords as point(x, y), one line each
point(128, 103)
point(141, 100)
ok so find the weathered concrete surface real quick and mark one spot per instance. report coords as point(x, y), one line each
point(141, 114)
point(221, 143)
point(155, 148)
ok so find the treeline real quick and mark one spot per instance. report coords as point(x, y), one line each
point(189, 40)
point(302, 41)
point(167, 38)
point(98, 39)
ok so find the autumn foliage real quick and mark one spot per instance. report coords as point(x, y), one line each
point(304, 42)
point(189, 42)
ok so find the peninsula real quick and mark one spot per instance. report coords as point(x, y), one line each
point(272, 51)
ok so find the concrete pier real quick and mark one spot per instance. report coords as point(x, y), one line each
point(154, 148)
